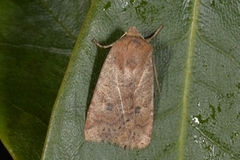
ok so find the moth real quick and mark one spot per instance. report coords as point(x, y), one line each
point(121, 109)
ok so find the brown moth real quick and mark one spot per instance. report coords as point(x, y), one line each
point(121, 110)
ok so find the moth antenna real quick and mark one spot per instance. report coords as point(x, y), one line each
point(154, 34)
point(101, 46)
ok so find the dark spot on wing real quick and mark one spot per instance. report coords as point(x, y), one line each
point(137, 109)
point(109, 107)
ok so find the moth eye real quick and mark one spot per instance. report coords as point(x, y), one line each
point(137, 109)
point(109, 107)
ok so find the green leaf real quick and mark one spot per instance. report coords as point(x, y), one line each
point(36, 40)
point(197, 59)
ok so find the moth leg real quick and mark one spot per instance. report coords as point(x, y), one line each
point(154, 34)
point(156, 78)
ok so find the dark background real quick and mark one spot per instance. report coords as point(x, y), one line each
point(4, 155)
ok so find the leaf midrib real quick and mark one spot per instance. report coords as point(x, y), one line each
point(190, 51)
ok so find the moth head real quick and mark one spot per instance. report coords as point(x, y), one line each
point(133, 32)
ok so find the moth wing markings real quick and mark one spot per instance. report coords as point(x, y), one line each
point(145, 87)
point(122, 110)
point(143, 102)
point(138, 127)
point(101, 119)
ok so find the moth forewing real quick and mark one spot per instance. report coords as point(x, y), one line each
point(121, 109)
